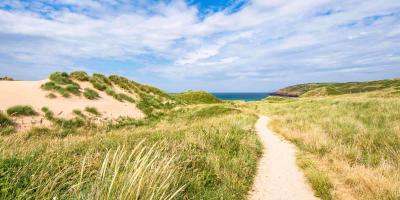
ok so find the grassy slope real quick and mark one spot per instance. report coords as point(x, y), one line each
point(209, 150)
point(349, 144)
point(197, 97)
point(326, 89)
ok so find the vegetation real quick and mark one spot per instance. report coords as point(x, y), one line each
point(187, 154)
point(197, 97)
point(48, 114)
point(90, 94)
point(7, 126)
point(92, 110)
point(52, 86)
point(326, 89)
point(61, 78)
point(6, 78)
point(51, 95)
point(349, 143)
point(21, 110)
point(79, 76)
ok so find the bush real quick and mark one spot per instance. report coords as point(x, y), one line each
point(80, 76)
point(74, 89)
point(21, 111)
point(48, 86)
point(61, 78)
point(92, 110)
point(90, 94)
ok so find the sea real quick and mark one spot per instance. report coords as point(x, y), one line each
point(242, 96)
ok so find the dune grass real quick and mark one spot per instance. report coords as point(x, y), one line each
point(197, 157)
point(92, 110)
point(351, 141)
point(197, 97)
point(79, 76)
point(90, 94)
point(21, 110)
point(7, 126)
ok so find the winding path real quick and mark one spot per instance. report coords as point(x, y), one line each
point(278, 176)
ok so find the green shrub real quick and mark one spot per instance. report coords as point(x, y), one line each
point(90, 94)
point(80, 76)
point(21, 111)
point(92, 110)
point(74, 89)
point(48, 85)
point(61, 78)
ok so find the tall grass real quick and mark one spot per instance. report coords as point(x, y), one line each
point(185, 155)
point(353, 140)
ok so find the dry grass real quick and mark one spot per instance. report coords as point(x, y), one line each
point(186, 155)
point(351, 141)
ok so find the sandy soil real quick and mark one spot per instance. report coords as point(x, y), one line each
point(278, 176)
point(29, 93)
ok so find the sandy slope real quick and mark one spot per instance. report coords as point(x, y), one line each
point(29, 93)
point(278, 176)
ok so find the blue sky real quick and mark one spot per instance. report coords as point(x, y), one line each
point(214, 45)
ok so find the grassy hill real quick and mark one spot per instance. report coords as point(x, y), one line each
point(327, 89)
point(175, 152)
point(197, 97)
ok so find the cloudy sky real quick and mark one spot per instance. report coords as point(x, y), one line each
point(214, 45)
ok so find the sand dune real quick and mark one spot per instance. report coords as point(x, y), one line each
point(29, 93)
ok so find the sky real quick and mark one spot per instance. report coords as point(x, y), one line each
point(213, 45)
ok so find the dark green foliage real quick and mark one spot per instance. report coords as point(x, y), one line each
point(6, 78)
point(7, 126)
point(74, 89)
point(92, 110)
point(197, 97)
point(21, 111)
point(49, 85)
point(90, 94)
point(80, 76)
point(339, 88)
point(61, 78)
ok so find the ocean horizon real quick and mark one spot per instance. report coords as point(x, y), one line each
point(242, 96)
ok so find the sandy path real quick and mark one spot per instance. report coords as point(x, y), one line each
point(278, 176)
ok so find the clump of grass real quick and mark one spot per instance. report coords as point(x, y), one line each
point(90, 94)
point(51, 95)
point(74, 89)
point(79, 113)
point(52, 86)
point(61, 78)
point(6, 78)
point(21, 110)
point(79, 76)
point(119, 96)
point(48, 114)
point(92, 110)
point(7, 126)
point(126, 97)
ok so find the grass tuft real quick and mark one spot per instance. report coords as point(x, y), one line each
point(92, 110)
point(79, 76)
point(90, 94)
point(21, 110)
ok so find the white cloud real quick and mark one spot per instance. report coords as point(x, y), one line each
point(265, 37)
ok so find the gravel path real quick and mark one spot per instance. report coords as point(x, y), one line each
point(278, 176)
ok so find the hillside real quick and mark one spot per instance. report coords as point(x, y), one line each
point(152, 148)
point(69, 96)
point(197, 97)
point(327, 89)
